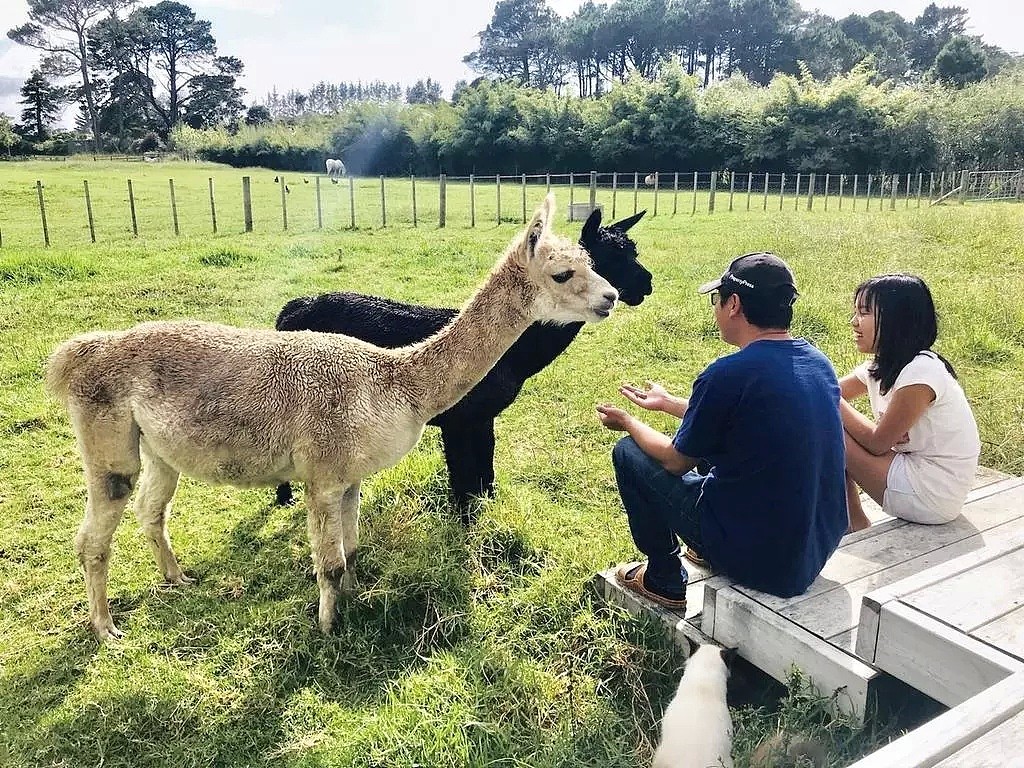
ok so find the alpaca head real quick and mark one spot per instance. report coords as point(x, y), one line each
point(568, 289)
point(615, 256)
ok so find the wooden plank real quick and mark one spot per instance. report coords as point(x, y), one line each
point(1006, 632)
point(901, 544)
point(947, 734)
point(775, 644)
point(998, 748)
point(838, 609)
point(938, 660)
point(1000, 541)
point(975, 597)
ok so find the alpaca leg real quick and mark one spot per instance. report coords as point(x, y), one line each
point(350, 534)
point(458, 455)
point(153, 507)
point(484, 451)
point(284, 495)
point(109, 444)
point(326, 535)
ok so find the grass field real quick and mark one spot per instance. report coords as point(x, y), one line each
point(479, 647)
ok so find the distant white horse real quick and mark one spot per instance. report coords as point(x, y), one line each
point(335, 169)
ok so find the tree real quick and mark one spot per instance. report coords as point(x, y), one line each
point(520, 44)
point(934, 28)
point(43, 102)
point(60, 28)
point(172, 58)
point(8, 138)
point(961, 61)
point(764, 32)
point(258, 114)
point(423, 92)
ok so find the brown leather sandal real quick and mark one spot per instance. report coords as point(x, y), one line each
point(631, 577)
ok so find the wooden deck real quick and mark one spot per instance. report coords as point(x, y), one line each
point(851, 625)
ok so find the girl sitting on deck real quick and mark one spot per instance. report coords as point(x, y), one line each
point(918, 458)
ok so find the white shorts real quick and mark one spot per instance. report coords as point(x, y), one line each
point(900, 499)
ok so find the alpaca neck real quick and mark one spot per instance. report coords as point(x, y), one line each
point(442, 369)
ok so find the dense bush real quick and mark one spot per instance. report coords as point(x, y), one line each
point(853, 123)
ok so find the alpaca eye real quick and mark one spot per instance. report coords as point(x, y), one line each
point(563, 277)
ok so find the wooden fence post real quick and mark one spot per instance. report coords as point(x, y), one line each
point(881, 190)
point(213, 203)
point(963, 186)
point(131, 207)
point(636, 190)
point(42, 212)
point(352, 202)
point(782, 191)
point(174, 207)
point(593, 190)
point(383, 205)
point(732, 187)
point(908, 191)
point(796, 197)
point(524, 198)
point(675, 192)
point(88, 211)
point(284, 204)
point(246, 202)
point(443, 201)
point(547, 182)
point(894, 191)
point(319, 206)
point(572, 189)
point(472, 201)
point(765, 206)
point(657, 180)
point(842, 185)
point(750, 186)
point(413, 180)
point(827, 176)
point(867, 203)
point(714, 186)
point(920, 186)
point(810, 192)
point(694, 211)
point(497, 183)
point(615, 187)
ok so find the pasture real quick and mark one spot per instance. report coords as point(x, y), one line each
point(478, 647)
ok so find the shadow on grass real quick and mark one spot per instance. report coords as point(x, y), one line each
point(207, 674)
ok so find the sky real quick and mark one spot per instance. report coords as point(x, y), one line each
point(296, 43)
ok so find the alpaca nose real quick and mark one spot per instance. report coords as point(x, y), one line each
point(610, 296)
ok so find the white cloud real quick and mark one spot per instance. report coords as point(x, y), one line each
point(258, 7)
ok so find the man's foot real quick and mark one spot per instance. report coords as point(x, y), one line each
point(631, 577)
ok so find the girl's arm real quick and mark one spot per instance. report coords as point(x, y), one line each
point(908, 404)
point(850, 387)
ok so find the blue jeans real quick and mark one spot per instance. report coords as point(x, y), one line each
point(660, 506)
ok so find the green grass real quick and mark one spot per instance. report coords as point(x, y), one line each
point(463, 648)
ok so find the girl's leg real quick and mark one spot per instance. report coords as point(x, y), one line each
point(868, 471)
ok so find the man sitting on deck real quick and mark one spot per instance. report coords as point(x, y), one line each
point(772, 507)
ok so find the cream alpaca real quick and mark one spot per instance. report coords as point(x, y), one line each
point(250, 407)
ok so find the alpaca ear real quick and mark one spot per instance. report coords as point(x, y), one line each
point(626, 224)
point(540, 224)
point(591, 227)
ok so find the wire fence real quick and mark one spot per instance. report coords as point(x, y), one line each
point(193, 204)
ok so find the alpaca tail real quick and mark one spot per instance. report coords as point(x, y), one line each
point(67, 358)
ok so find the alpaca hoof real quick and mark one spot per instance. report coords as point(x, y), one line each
point(106, 631)
point(179, 580)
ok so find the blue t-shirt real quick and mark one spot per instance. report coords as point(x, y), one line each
point(773, 507)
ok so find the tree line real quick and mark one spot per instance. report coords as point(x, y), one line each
point(138, 74)
point(851, 123)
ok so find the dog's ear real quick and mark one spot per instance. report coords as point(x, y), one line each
point(729, 656)
point(691, 647)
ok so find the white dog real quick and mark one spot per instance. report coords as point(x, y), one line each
point(696, 731)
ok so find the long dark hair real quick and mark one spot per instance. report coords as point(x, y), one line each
point(905, 323)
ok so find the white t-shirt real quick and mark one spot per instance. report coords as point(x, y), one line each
point(941, 450)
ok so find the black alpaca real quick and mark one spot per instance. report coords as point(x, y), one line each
point(467, 428)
